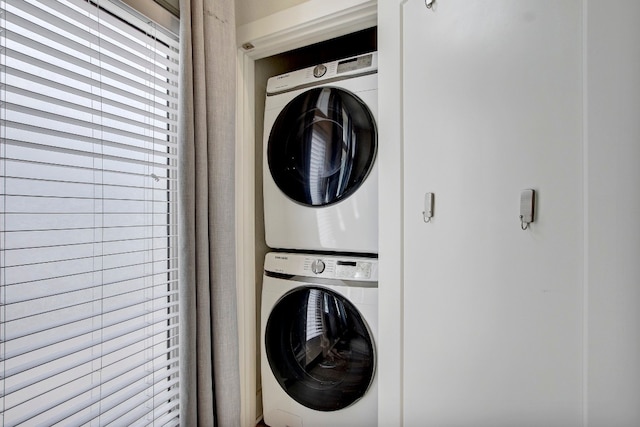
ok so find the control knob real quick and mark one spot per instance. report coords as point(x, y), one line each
point(317, 266)
point(319, 71)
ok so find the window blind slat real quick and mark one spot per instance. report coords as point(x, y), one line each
point(151, 409)
point(81, 29)
point(59, 404)
point(93, 54)
point(141, 414)
point(140, 357)
point(169, 419)
point(77, 355)
point(52, 149)
point(84, 349)
point(170, 395)
point(45, 238)
point(88, 271)
point(90, 68)
point(15, 310)
point(111, 26)
point(149, 164)
point(116, 188)
point(43, 220)
point(67, 245)
point(48, 205)
point(40, 256)
point(121, 403)
point(121, 394)
point(18, 168)
point(61, 119)
point(109, 92)
point(72, 313)
point(32, 289)
point(152, 108)
point(18, 291)
point(17, 203)
point(55, 103)
point(81, 311)
point(126, 363)
point(142, 31)
point(20, 346)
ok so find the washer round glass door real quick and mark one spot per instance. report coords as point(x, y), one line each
point(319, 349)
point(322, 146)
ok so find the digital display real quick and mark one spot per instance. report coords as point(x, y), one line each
point(349, 263)
point(355, 63)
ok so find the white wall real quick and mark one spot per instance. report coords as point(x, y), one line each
point(613, 201)
point(252, 10)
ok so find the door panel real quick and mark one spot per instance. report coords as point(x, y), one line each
point(492, 105)
point(322, 146)
point(320, 349)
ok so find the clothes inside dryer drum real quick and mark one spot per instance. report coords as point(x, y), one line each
point(322, 146)
point(319, 349)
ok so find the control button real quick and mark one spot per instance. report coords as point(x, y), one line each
point(319, 71)
point(317, 266)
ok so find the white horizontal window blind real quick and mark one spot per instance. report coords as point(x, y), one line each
point(88, 264)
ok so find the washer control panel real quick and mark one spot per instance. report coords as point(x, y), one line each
point(325, 266)
point(339, 268)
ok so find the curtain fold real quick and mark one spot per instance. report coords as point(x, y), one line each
point(209, 376)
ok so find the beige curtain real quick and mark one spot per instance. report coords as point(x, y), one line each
point(209, 375)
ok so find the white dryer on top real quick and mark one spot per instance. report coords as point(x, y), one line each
point(320, 177)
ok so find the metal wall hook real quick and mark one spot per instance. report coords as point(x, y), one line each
point(527, 207)
point(427, 213)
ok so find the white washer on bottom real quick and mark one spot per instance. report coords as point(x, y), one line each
point(318, 331)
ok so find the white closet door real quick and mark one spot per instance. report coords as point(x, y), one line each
point(493, 314)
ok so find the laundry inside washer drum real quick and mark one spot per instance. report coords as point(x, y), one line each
point(319, 349)
point(322, 146)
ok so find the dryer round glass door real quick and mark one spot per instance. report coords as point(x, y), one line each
point(319, 349)
point(322, 146)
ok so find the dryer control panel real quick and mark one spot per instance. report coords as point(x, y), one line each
point(324, 73)
point(325, 266)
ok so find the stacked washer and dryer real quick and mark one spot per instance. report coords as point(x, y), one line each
point(319, 305)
